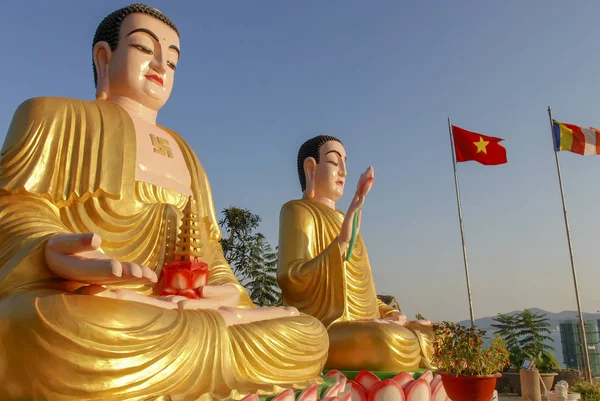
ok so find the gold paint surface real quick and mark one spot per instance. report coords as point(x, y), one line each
point(315, 279)
point(69, 166)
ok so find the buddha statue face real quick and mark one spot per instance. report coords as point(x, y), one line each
point(322, 168)
point(140, 64)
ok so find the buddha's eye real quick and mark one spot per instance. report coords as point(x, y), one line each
point(334, 163)
point(143, 48)
point(172, 65)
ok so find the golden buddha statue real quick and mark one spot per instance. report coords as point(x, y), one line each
point(91, 198)
point(316, 277)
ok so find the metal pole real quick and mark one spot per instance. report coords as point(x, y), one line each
point(462, 227)
point(588, 368)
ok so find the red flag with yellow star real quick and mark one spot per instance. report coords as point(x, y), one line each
point(480, 148)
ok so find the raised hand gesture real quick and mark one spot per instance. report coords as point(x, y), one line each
point(365, 182)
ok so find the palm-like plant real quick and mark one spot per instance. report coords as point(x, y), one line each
point(506, 327)
point(526, 337)
point(533, 330)
point(250, 256)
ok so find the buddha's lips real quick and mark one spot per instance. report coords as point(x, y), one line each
point(156, 79)
point(340, 183)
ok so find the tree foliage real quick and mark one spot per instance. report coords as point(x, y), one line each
point(526, 336)
point(533, 330)
point(250, 255)
point(506, 328)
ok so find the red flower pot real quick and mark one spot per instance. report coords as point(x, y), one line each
point(469, 388)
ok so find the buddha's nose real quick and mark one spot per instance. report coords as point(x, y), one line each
point(342, 172)
point(159, 65)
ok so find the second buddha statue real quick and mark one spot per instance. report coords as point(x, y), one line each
point(316, 278)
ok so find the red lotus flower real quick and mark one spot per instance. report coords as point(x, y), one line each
point(185, 278)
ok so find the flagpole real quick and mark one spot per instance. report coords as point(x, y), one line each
point(587, 366)
point(462, 227)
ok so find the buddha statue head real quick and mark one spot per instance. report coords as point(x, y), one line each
point(322, 168)
point(135, 54)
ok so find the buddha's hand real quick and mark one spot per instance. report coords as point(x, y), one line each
point(365, 182)
point(213, 297)
point(396, 317)
point(417, 323)
point(77, 257)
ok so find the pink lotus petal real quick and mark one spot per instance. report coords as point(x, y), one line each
point(437, 379)
point(333, 390)
point(419, 391)
point(403, 378)
point(367, 380)
point(387, 390)
point(357, 391)
point(345, 395)
point(287, 395)
point(427, 375)
point(311, 393)
point(438, 392)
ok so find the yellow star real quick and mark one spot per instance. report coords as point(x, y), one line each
point(481, 145)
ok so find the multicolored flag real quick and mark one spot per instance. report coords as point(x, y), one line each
point(572, 138)
point(480, 148)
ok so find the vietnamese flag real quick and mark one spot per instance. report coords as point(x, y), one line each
point(480, 148)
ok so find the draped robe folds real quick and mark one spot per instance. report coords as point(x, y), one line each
point(315, 279)
point(69, 166)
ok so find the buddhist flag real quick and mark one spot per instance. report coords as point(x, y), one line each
point(581, 140)
point(480, 148)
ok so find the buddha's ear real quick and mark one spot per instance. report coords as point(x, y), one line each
point(310, 165)
point(102, 54)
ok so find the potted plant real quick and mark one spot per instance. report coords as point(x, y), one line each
point(548, 367)
point(467, 368)
point(526, 335)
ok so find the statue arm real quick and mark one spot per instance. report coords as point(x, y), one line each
point(310, 267)
point(26, 223)
point(29, 191)
point(385, 310)
point(54, 154)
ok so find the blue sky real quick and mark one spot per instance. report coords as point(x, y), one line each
point(258, 78)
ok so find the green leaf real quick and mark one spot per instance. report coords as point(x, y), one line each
point(251, 257)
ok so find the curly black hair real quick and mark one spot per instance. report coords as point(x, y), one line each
point(109, 28)
point(311, 148)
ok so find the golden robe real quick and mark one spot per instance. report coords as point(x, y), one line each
point(315, 278)
point(69, 166)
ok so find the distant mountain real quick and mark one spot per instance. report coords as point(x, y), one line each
point(485, 323)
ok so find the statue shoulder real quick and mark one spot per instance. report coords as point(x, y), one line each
point(307, 206)
point(48, 105)
point(50, 138)
point(294, 205)
point(299, 209)
point(41, 116)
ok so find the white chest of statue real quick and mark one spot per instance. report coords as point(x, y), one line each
point(159, 159)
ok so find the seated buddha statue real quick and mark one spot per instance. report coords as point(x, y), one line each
point(318, 278)
point(91, 200)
